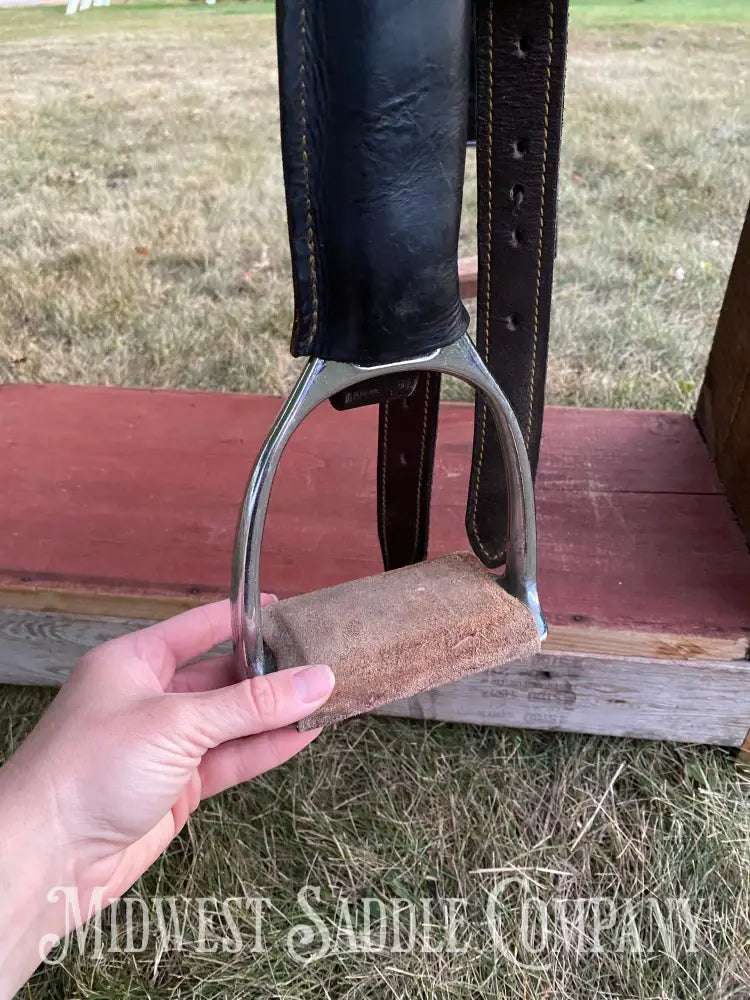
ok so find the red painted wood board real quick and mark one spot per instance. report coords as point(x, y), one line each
point(136, 492)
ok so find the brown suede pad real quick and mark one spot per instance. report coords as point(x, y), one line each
point(398, 633)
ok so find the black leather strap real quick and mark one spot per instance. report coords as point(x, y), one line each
point(373, 167)
point(520, 49)
point(373, 128)
point(408, 402)
point(515, 115)
point(405, 464)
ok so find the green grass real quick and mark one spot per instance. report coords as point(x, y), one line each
point(136, 15)
point(143, 242)
point(609, 13)
point(393, 808)
point(161, 133)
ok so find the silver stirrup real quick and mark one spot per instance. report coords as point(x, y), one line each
point(318, 382)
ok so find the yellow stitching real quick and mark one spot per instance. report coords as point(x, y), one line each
point(306, 175)
point(541, 220)
point(421, 463)
point(384, 539)
point(487, 273)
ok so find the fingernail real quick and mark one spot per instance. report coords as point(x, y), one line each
point(313, 683)
point(273, 598)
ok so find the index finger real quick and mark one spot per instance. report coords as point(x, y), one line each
point(196, 631)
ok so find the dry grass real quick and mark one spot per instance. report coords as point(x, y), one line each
point(143, 237)
point(393, 808)
point(166, 140)
point(654, 190)
point(144, 240)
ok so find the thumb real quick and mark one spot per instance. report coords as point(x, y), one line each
point(259, 704)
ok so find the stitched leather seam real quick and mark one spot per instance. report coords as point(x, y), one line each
point(537, 293)
point(487, 274)
point(423, 449)
point(383, 480)
point(310, 235)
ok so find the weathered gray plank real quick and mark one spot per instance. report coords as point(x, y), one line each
point(42, 647)
point(685, 701)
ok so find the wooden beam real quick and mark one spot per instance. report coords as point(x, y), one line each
point(124, 502)
point(119, 507)
point(572, 639)
point(42, 648)
point(723, 411)
point(685, 702)
point(689, 701)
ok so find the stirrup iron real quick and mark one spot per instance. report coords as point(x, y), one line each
point(318, 382)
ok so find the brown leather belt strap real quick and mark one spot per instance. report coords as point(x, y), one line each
point(407, 430)
point(406, 454)
point(520, 47)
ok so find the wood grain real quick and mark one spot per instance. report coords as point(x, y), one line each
point(42, 648)
point(723, 411)
point(124, 502)
point(692, 702)
point(117, 603)
point(707, 702)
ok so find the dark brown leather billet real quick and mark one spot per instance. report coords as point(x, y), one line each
point(405, 459)
point(395, 634)
point(405, 464)
point(374, 109)
point(518, 63)
point(520, 47)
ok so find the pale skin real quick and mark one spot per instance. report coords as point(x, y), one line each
point(128, 749)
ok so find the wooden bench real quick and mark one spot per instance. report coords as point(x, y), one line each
point(119, 507)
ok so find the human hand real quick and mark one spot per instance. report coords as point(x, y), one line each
point(130, 747)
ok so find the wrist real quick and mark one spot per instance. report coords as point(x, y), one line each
point(32, 866)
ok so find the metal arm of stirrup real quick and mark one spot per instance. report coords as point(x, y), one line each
point(318, 382)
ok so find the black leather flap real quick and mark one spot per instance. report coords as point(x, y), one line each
point(374, 102)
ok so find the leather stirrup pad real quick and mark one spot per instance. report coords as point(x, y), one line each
point(520, 47)
point(392, 635)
